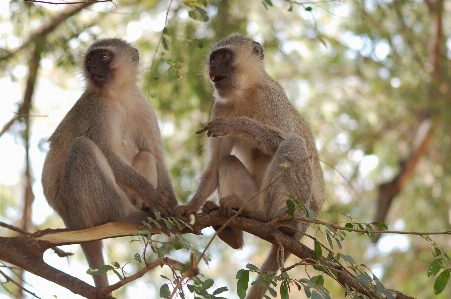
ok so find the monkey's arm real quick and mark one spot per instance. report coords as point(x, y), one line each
point(165, 188)
point(267, 138)
point(217, 149)
point(128, 176)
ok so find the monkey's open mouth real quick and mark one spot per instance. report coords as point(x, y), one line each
point(98, 77)
point(217, 78)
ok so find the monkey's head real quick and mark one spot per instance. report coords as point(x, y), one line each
point(110, 63)
point(235, 62)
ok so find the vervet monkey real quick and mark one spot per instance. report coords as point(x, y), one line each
point(256, 130)
point(106, 159)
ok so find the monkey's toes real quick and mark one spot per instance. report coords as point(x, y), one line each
point(209, 206)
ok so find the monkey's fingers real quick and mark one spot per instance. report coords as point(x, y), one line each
point(202, 130)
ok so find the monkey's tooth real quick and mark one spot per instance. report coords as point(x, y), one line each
point(212, 78)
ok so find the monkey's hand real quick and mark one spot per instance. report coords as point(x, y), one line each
point(229, 205)
point(184, 211)
point(266, 138)
point(219, 127)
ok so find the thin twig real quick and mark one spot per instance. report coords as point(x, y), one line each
point(9, 279)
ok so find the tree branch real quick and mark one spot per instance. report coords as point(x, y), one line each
point(26, 252)
point(48, 27)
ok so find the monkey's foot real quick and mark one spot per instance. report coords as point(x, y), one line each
point(229, 205)
point(209, 206)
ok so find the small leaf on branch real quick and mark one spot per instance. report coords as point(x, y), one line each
point(220, 290)
point(164, 291)
point(319, 280)
point(441, 281)
point(137, 258)
point(252, 267)
point(434, 267)
point(242, 283)
point(436, 252)
point(207, 284)
point(165, 43)
point(284, 289)
point(198, 14)
point(318, 251)
point(380, 225)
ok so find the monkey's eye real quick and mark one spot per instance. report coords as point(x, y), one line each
point(89, 60)
point(103, 56)
point(224, 55)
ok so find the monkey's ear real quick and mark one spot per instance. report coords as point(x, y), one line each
point(135, 55)
point(258, 50)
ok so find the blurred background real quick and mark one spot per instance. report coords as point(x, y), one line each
point(371, 77)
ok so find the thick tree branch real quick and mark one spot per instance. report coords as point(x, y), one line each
point(389, 190)
point(26, 252)
point(48, 27)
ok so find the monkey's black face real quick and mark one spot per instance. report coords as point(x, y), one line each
point(97, 64)
point(221, 68)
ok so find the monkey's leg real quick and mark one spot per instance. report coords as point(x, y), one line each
point(145, 163)
point(295, 181)
point(234, 181)
point(92, 197)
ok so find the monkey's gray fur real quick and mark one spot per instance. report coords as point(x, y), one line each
point(106, 159)
point(256, 130)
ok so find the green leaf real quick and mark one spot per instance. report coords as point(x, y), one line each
point(348, 259)
point(436, 252)
point(103, 269)
point(158, 215)
point(165, 42)
point(198, 14)
point(285, 275)
point(318, 251)
point(121, 278)
point(165, 30)
point(252, 267)
point(271, 291)
point(137, 258)
point(168, 223)
point(242, 283)
point(264, 4)
point(116, 265)
point(308, 8)
point(310, 213)
point(207, 284)
point(349, 225)
point(434, 267)
point(329, 240)
point(199, 43)
point(363, 278)
point(161, 251)
point(316, 295)
point(164, 291)
point(284, 165)
point(269, 2)
point(291, 207)
point(338, 243)
point(319, 268)
point(290, 9)
point(330, 228)
point(284, 290)
point(319, 280)
point(441, 281)
point(380, 225)
point(220, 290)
